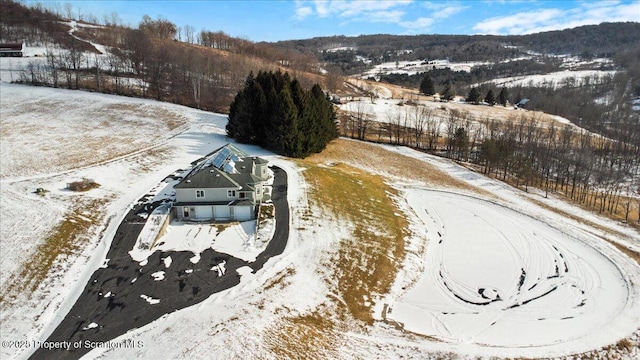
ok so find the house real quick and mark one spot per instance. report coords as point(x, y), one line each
point(11, 49)
point(228, 185)
point(521, 104)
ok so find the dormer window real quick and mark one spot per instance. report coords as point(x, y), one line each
point(199, 193)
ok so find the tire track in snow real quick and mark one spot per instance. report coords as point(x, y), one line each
point(497, 271)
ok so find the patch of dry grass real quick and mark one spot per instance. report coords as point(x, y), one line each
point(365, 265)
point(82, 185)
point(66, 239)
point(370, 157)
point(368, 262)
point(280, 279)
point(304, 337)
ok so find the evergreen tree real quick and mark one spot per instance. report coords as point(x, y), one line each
point(447, 94)
point(273, 111)
point(474, 96)
point(426, 86)
point(503, 97)
point(490, 98)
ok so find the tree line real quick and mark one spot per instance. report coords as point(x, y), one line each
point(603, 40)
point(526, 151)
point(146, 61)
point(276, 113)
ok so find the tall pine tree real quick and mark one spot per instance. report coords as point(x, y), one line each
point(490, 98)
point(426, 86)
point(273, 111)
point(474, 96)
point(503, 97)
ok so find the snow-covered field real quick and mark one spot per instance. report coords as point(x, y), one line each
point(51, 137)
point(503, 279)
point(508, 247)
point(555, 79)
point(387, 110)
point(417, 67)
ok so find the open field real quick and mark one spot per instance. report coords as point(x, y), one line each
point(501, 278)
point(361, 248)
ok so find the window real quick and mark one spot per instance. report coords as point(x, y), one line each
point(199, 193)
point(242, 195)
point(231, 193)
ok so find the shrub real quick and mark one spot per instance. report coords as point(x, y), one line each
point(83, 185)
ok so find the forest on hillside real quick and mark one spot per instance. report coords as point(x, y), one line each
point(603, 40)
point(156, 59)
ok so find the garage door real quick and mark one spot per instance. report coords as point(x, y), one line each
point(243, 213)
point(221, 212)
point(204, 212)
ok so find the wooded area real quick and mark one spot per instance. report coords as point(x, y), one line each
point(526, 151)
point(146, 61)
point(274, 112)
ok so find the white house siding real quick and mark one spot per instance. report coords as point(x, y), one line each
point(210, 195)
point(261, 170)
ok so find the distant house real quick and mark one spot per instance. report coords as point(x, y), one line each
point(521, 104)
point(11, 49)
point(228, 185)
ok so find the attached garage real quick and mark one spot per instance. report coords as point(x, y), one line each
point(243, 213)
point(221, 212)
point(204, 212)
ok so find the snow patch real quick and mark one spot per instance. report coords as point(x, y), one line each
point(150, 300)
point(158, 275)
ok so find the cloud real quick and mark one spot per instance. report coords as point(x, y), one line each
point(444, 10)
point(302, 12)
point(418, 24)
point(548, 19)
point(388, 11)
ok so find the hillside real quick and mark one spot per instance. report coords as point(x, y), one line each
point(436, 226)
point(356, 271)
point(146, 61)
point(604, 40)
point(559, 72)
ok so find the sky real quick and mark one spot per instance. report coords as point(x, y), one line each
point(269, 20)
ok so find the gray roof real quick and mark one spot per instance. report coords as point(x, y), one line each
point(208, 177)
point(227, 167)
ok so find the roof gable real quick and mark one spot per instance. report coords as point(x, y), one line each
point(226, 167)
point(208, 177)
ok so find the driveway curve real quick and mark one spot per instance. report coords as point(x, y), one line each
point(123, 295)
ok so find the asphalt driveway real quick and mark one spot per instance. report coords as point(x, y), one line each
point(121, 296)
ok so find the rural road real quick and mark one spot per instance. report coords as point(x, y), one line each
point(114, 300)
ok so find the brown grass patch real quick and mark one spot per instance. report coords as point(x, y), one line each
point(368, 262)
point(367, 156)
point(280, 279)
point(365, 265)
point(66, 239)
point(83, 185)
point(303, 337)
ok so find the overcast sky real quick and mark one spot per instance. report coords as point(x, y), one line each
point(262, 20)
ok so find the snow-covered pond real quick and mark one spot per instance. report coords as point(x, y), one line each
point(496, 277)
